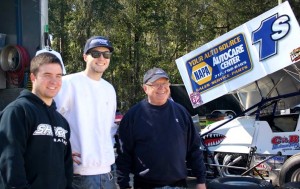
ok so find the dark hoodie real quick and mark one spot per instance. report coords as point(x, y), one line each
point(156, 142)
point(30, 155)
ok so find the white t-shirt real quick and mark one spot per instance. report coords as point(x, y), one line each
point(90, 107)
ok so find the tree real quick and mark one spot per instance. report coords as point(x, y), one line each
point(145, 33)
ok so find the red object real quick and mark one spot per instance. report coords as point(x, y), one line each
point(118, 117)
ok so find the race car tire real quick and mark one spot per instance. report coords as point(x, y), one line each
point(290, 171)
point(291, 185)
point(238, 183)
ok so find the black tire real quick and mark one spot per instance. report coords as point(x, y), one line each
point(291, 185)
point(238, 183)
point(290, 171)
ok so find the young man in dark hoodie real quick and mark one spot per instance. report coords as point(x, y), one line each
point(157, 137)
point(35, 151)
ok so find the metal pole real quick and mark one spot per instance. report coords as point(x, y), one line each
point(44, 21)
point(19, 22)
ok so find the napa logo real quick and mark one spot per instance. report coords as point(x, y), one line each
point(201, 73)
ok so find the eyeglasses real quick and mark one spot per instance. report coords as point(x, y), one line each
point(97, 54)
point(158, 85)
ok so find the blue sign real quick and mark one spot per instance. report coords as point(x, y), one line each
point(221, 63)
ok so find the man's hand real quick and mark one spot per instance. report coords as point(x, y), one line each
point(76, 156)
point(200, 186)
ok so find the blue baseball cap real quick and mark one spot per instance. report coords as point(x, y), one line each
point(97, 41)
point(154, 74)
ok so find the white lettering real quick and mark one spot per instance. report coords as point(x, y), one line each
point(60, 132)
point(280, 27)
point(43, 129)
point(230, 62)
point(228, 55)
point(46, 130)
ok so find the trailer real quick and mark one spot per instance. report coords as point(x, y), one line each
point(23, 31)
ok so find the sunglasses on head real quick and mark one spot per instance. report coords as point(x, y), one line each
point(97, 54)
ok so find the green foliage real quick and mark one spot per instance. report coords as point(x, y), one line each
point(145, 33)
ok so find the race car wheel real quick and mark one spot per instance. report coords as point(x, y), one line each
point(291, 185)
point(290, 171)
point(238, 183)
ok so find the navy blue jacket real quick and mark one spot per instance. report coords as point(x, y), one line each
point(156, 142)
point(35, 151)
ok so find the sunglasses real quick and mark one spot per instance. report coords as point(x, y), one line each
point(97, 54)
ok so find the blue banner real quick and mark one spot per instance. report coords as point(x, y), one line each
point(221, 63)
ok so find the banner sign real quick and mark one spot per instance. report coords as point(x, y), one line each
point(259, 47)
point(223, 62)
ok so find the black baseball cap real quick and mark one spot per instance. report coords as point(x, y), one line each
point(97, 41)
point(154, 74)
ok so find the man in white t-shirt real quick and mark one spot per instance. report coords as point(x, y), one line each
point(88, 102)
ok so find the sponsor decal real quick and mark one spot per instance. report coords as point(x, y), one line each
point(213, 139)
point(201, 73)
point(225, 61)
point(196, 99)
point(263, 166)
point(277, 159)
point(290, 142)
point(295, 54)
